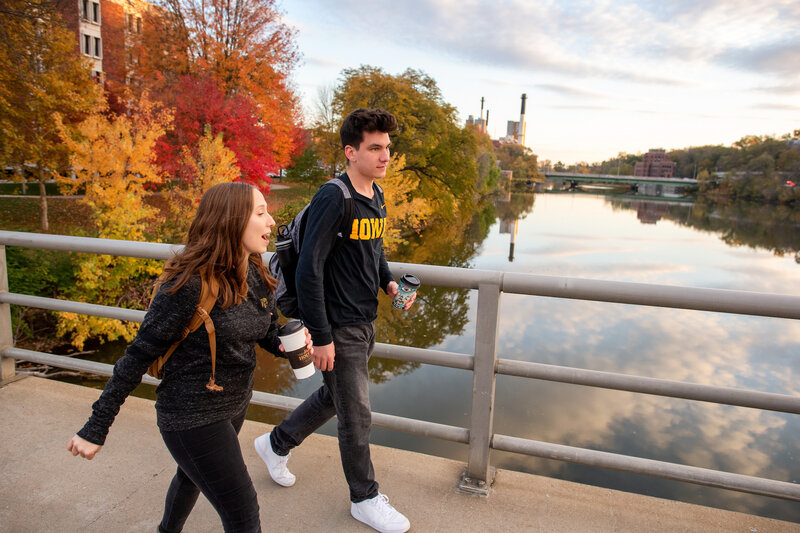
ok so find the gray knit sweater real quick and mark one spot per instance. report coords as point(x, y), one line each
point(183, 401)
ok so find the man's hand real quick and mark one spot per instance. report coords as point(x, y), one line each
point(84, 448)
point(323, 357)
point(391, 290)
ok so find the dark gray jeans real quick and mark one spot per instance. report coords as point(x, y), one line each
point(344, 393)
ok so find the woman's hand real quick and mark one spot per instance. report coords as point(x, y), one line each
point(309, 343)
point(82, 447)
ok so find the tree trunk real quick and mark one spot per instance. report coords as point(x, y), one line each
point(43, 206)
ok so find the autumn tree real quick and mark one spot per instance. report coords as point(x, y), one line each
point(437, 149)
point(406, 212)
point(243, 46)
point(520, 160)
point(205, 164)
point(327, 144)
point(112, 160)
point(41, 73)
point(200, 103)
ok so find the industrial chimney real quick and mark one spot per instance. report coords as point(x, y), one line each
point(521, 132)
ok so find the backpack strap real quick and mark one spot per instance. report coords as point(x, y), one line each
point(347, 217)
point(208, 298)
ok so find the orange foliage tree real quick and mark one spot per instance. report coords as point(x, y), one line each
point(243, 46)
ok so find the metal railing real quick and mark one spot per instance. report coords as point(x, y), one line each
point(484, 363)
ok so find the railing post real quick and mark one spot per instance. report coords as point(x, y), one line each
point(478, 476)
point(7, 364)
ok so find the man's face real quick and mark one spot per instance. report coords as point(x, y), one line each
point(371, 158)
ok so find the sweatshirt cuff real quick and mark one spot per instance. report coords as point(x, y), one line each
point(95, 437)
point(385, 285)
point(321, 338)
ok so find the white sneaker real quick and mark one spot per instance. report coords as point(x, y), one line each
point(378, 514)
point(276, 464)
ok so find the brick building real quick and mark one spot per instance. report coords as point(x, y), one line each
point(107, 32)
point(656, 164)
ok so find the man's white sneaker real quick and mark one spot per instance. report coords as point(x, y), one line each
point(378, 514)
point(276, 464)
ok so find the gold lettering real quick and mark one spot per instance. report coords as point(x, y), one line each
point(354, 231)
point(363, 229)
point(374, 223)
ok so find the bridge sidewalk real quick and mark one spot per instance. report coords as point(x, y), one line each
point(44, 488)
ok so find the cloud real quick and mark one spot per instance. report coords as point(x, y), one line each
point(623, 41)
point(780, 90)
point(567, 90)
point(771, 106)
point(323, 62)
point(776, 57)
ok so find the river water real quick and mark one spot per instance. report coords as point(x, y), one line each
point(749, 247)
point(624, 239)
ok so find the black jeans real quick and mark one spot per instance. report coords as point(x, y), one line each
point(210, 461)
point(344, 393)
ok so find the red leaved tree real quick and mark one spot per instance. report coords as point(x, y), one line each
point(200, 103)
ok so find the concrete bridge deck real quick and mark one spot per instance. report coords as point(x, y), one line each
point(43, 488)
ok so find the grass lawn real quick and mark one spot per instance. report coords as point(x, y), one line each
point(67, 216)
point(70, 216)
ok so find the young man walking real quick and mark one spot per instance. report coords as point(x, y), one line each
point(337, 295)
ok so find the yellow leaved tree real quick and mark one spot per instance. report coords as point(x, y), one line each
point(211, 163)
point(406, 213)
point(112, 162)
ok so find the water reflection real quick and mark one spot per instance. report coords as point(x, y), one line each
point(754, 224)
point(653, 241)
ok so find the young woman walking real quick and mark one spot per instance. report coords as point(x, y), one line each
point(200, 408)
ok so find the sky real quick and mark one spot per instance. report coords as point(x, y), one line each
point(601, 77)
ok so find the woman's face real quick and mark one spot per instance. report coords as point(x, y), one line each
point(256, 233)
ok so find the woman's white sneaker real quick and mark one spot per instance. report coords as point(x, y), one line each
point(379, 515)
point(276, 464)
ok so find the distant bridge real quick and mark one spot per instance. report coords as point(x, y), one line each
point(613, 178)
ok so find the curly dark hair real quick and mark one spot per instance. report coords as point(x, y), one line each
point(365, 120)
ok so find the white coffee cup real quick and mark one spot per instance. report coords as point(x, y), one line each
point(293, 339)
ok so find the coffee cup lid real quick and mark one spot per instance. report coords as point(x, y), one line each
point(411, 281)
point(290, 327)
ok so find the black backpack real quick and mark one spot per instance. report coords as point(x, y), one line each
point(283, 262)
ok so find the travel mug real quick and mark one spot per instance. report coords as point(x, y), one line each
point(293, 339)
point(406, 288)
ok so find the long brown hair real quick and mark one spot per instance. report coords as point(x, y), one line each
point(214, 245)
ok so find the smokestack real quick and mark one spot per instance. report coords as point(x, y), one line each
point(481, 106)
point(521, 131)
point(485, 124)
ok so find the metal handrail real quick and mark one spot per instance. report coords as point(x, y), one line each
point(576, 376)
point(485, 364)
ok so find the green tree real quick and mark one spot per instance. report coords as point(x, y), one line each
point(436, 148)
point(40, 74)
point(306, 168)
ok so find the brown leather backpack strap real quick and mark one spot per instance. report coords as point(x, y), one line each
point(208, 298)
point(207, 302)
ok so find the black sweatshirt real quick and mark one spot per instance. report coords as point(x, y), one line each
point(341, 289)
point(183, 401)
